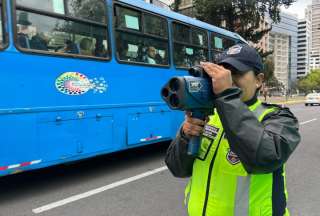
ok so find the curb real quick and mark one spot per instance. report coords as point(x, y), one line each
point(290, 102)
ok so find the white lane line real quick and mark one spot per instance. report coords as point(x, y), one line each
point(108, 187)
point(306, 122)
point(96, 191)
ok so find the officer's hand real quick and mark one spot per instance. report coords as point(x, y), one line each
point(192, 126)
point(221, 77)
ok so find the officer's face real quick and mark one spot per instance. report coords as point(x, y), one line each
point(249, 83)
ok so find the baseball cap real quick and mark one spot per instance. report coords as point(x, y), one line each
point(242, 57)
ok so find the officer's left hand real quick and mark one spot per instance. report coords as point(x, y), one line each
point(221, 77)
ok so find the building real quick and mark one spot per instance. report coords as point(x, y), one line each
point(263, 44)
point(303, 48)
point(283, 42)
point(186, 7)
point(161, 3)
point(313, 15)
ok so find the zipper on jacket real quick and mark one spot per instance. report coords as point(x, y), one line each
point(209, 176)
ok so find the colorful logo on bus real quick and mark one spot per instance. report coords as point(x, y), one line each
point(75, 83)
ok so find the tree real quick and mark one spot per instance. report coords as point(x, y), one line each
point(244, 17)
point(175, 5)
point(274, 84)
point(268, 69)
point(311, 82)
point(241, 16)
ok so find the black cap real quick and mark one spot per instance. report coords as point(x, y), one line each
point(242, 57)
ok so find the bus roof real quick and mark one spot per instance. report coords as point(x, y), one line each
point(181, 17)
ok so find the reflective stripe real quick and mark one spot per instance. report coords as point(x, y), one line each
point(187, 194)
point(241, 206)
point(24, 164)
point(13, 166)
point(186, 200)
point(259, 111)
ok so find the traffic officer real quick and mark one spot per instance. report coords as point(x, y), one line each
point(240, 167)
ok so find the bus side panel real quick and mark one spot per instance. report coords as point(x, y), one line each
point(17, 140)
point(97, 135)
point(53, 127)
point(147, 127)
point(66, 134)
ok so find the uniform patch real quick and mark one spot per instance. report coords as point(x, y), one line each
point(210, 131)
point(236, 49)
point(232, 157)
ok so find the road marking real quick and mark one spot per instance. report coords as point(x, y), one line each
point(306, 122)
point(97, 190)
point(108, 187)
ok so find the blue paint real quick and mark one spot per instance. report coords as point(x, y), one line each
point(38, 122)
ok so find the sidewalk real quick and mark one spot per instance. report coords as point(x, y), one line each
point(282, 100)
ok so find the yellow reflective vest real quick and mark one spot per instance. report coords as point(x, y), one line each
point(220, 186)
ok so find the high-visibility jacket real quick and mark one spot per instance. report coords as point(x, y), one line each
point(220, 185)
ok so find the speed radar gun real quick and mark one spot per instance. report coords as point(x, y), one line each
point(191, 93)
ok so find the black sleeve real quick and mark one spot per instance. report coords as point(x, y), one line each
point(178, 161)
point(263, 146)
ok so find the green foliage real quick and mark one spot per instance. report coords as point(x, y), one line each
point(269, 78)
point(241, 16)
point(268, 69)
point(274, 84)
point(310, 82)
point(175, 5)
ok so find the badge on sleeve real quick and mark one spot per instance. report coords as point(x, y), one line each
point(232, 157)
point(210, 131)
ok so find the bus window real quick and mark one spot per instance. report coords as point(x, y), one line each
point(55, 6)
point(181, 33)
point(88, 9)
point(155, 26)
point(200, 38)
point(219, 44)
point(141, 40)
point(59, 34)
point(1, 29)
point(129, 19)
point(2, 33)
point(190, 45)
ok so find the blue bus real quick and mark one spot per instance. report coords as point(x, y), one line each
point(81, 78)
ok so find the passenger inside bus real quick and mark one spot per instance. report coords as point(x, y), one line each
point(86, 47)
point(100, 50)
point(150, 56)
point(23, 30)
point(122, 50)
point(70, 47)
point(39, 42)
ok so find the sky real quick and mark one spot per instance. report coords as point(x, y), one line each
point(298, 8)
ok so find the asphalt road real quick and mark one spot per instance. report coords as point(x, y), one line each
point(136, 182)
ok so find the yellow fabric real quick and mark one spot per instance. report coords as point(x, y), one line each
point(222, 193)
